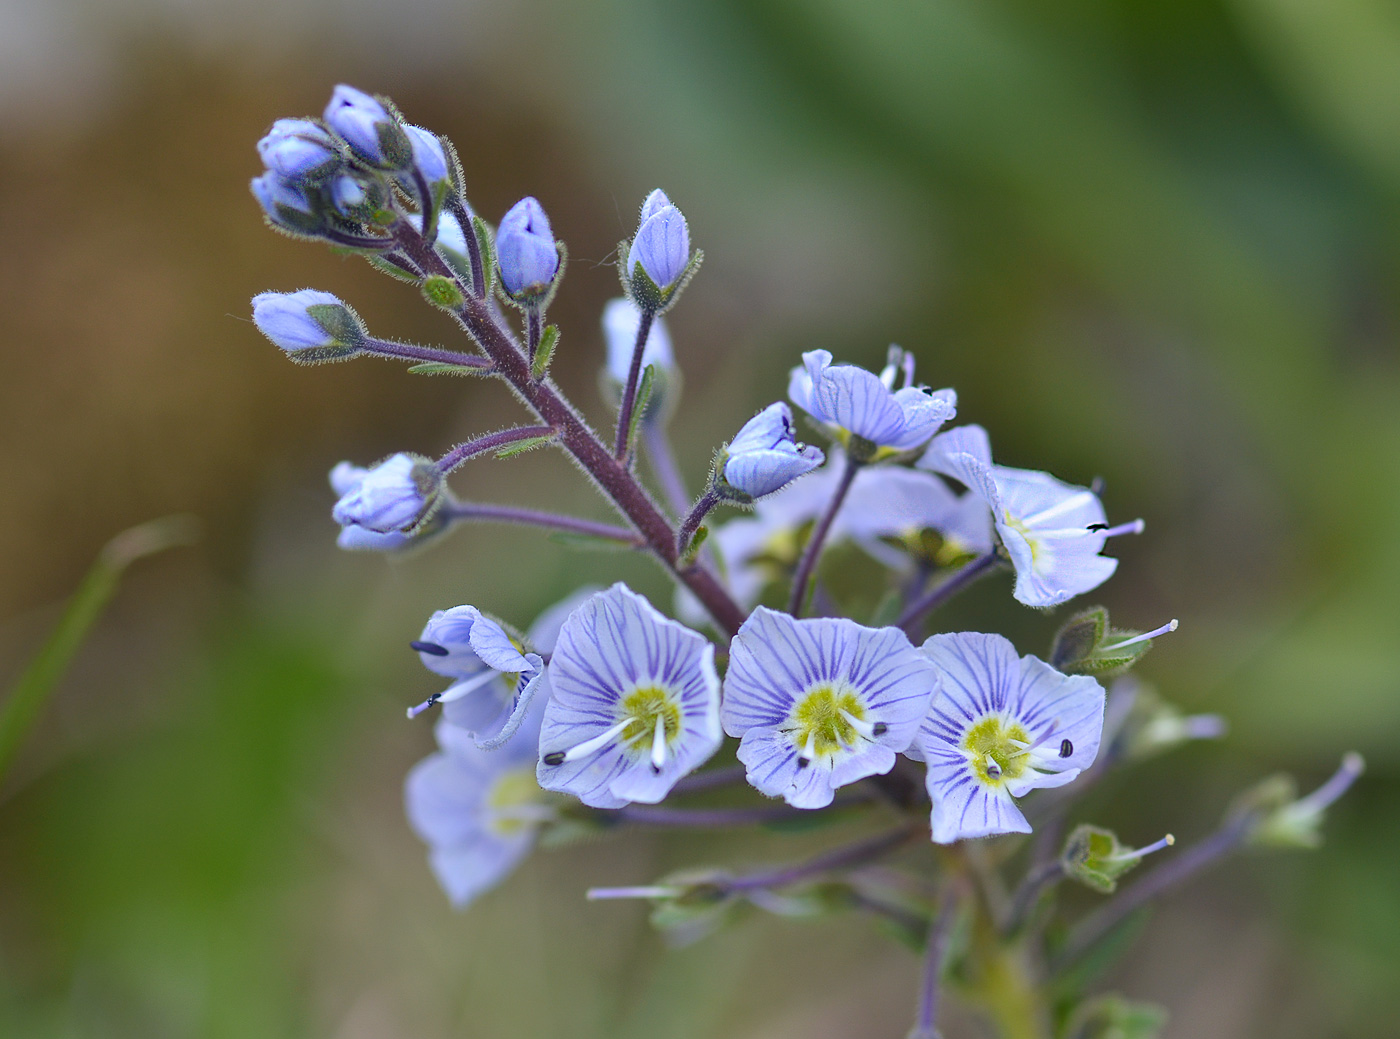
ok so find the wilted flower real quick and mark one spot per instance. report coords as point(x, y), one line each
point(821, 703)
point(634, 703)
point(1001, 727)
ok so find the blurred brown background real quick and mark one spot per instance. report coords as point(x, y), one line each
point(1152, 242)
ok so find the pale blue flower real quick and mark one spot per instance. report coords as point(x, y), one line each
point(821, 703)
point(1053, 531)
point(851, 402)
point(634, 703)
point(285, 318)
point(494, 678)
point(1001, 727)
point(621, 319)
point(371, 130)
point(299, 149)
point(764, 456)
point(661, 245)
point(286, 203)
point(429, 157)
point(526, 252)
point(344, 478)
point(397, 494)
point(478, 811)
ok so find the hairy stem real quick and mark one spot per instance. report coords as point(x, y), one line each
point(459, 209)
point(1028, 894)
point(851, 855)
point(534, 328)
point(613, 478)
point(707, 501)
point(629, 394)
point(490, 442)
point(808, 563)
point(936, 597)
point(476, 512)
point(423, 354)
point(938, 929)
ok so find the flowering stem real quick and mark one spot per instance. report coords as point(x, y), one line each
point(938, 929)
point(707, 501)
point(1161, 880)
point(1028, 894)
point(842, 858)
point(490, 442)
point(624, 415)
point(423, 354)
point(936, 597)
point(612, 477)
point(534, 326)
point(808, 562)
point(663, 463)
point(469, 512)
point(464, 220)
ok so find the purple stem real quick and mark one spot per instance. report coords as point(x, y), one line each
point(475, 512)
point(624, 415)
point(464, 219)
point(936, 597)
point(534, 328)
point(423, 354)
point(663, 464)
point(808, 564)
point(842, 858)
point(707, 501)
point(935, 950)
point(613, 478)
point(490, 442)
point(715, 777)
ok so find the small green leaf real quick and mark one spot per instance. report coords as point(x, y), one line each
point(442, 368)
point(443, 292)
point(544, 353)
point(521, 446)
point(693, 549)
point(640, 407)
point(488, 252)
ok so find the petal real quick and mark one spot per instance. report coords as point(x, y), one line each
point(963, 807)
point(495, 648)
point(452, 630)
point(923, 413)
point(802, 380)
point(469, 871)
point(856, 400)
point(965, 440)
point(442, 797)
point(545, 631)
point(980, 674)
point(481, 710)
point(1054, 707)
point(771, 765)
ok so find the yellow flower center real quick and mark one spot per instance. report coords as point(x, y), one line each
point(816, 721)
point(997, 749)
point(644, 705)
point(511, 799)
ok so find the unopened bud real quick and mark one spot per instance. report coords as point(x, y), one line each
point(300, 149)
point(371, 130)
point(310, 325)
point(526, 252)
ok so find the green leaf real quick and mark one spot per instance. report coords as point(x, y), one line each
point(488, 252)
point(37, 681)
point(1113, 1017)
point(443, 292)
point(521, 446)
point(544, 353)
point(443, 368)
point(640, 407)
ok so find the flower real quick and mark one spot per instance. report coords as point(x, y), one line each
point(299, 149)
point(429, 158)
point(764, 457)
point(634, 703)
point(308, 320)
point(371, 130)
point(621, 319)
point(1001, 726)
point(495, 679)
point(661, 245)
point(287, 206)
point(344, 478)
point(526, 252)
point(1052, 530)
point(478, 811)
point(863, 411)
point(397, 494)
point(821, 703)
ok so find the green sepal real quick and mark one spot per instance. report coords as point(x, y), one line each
point(644, 389)
point(382, 265)
point(702, 906)
point(521, 446)
point(486, 245)
point(1113, 1017)
point(340, 323)
point(544, 352)
point(1088, 644)
point(443, 368)
point(394, 144)
point(442, 291)
point(1087, 856)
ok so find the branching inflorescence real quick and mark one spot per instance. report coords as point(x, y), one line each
point(606, 706)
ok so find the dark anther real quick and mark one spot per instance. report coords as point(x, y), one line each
point(554, 758)
point(803, 762)
point(431, 648)
point(1066, 748)
point(1097, 526)
point(879, 728)
point(655, 769)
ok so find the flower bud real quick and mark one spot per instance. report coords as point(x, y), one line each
point(345, 478)
point(397, 494)
point(359, 197)
point(526, 253)
point(764, 457)
point(661, 246)
point(429, 158)
point(287, 204)
point(300, 149)
point(369, 128)
point(309, 325)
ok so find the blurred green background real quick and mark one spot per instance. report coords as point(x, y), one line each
point(1154, 242)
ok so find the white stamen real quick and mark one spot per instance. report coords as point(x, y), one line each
point(1072, 502)
point(887, 375)
point(1137, 526)
point(1137, 853)
point(864, 728)
point(658, 744)
point(1353, 764)
point(597, 893)
point(993, 769)
point(598, 742)
point(1170, 626)
point(809, 752)
point(461, 689)
point(414, 712)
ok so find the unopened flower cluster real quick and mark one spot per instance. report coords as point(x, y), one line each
point(606, 701)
